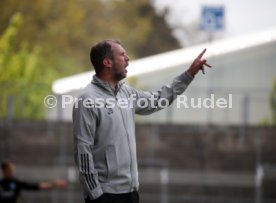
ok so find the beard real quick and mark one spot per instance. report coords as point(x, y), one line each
point(120, 72)
point(119, 76)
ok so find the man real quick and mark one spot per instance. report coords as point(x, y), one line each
point(10, 187)
point(104, 133)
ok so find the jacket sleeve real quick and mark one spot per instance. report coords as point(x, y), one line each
point(28, 185)
point(84, 125)
point(149, 102)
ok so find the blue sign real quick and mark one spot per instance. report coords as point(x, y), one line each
point(212, 18)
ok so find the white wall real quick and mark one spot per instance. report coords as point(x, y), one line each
point(248, 72)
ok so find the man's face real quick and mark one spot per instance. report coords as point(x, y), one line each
point(119, 62)
point(9, 171)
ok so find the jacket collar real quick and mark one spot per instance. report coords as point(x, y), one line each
point(105, 86)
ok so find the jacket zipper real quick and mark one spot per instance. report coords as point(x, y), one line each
point(130, 152)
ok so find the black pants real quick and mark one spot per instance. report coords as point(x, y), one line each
point(132, 197)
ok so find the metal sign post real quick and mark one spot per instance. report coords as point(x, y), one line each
point(211, 20)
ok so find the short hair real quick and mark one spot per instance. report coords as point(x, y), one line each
point(100, 51)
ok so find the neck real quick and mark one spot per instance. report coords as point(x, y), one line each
point(107, 78)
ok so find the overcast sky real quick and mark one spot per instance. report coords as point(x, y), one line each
point(241, 16)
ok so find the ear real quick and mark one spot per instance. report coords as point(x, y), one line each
point(107, 62)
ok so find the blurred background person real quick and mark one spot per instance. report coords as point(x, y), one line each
point(10, 186)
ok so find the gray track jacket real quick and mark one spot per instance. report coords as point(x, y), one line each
point(104, 133)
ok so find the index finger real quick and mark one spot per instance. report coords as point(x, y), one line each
point(201, 54)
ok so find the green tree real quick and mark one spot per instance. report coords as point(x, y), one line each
point(66, 29)
point(273, 104)
point(160, 37)
point(24, 75)
point(271, 119)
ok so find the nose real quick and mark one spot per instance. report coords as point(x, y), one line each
point(126, 57)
